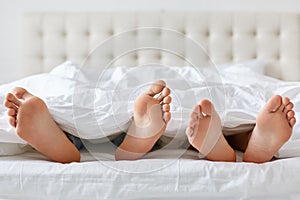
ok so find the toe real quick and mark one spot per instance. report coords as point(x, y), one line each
point(10, 97)
point(290, 114)
point(9, 104)
point(206, 107)
point(21, 93)
point(12, 121)
point(285, 101)
point(274, 104)
point(165, 92)
point(167, 116)
point(292, 122)
point(156, 88)
point(166, 107)
point(167, 100)
point(189, 132)
point(196, 113)
point(11, 112)
point(288, 107)
point(192, 123)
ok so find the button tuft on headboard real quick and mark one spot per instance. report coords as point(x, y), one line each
point(275, 37)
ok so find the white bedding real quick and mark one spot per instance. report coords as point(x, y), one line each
point(92, 107)
point(160, 174)
point(157, 176)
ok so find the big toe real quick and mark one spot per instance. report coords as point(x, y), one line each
point(21, 93)
point(274, 104)
point(156, 88)
point(206, 107)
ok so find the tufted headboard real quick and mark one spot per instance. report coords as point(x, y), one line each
point(51, 38)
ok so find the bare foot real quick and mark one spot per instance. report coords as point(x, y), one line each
point(273, 128)
point(151, 115)
point(34, 124)
point(205, 133)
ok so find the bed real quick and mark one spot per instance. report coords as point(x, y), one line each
point(51, 38)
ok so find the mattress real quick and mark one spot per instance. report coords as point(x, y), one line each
point(159, 175)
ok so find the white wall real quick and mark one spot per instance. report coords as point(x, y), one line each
point(11, 12)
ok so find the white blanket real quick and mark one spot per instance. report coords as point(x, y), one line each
point(95, 104)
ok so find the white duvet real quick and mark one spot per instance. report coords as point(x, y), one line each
point(94, 105)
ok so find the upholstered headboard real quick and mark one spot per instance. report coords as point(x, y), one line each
point(51, 38)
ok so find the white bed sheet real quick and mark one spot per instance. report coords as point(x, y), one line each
point(32, 176)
